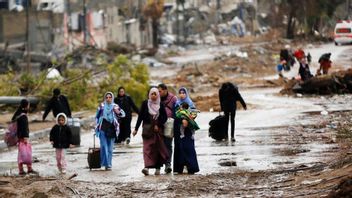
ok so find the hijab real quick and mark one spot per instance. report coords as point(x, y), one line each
point(21, 109)
point(186, 100)
point(108, 108)
point(154, 106)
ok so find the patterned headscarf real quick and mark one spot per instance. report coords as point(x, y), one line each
point(186, 100)
point(154, 106)
point(108, 113)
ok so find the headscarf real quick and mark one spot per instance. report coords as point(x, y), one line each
point(118, 92)
point(154, 106)
point(108, 108)
point(21, 109)
point(186, 100)
point(61, 114)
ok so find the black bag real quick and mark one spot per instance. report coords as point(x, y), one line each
point(218, 128)
point(93, 157)
point(147, 131)
point(108, 128)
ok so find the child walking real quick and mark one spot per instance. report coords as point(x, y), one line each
point(60, 138)
point(24, 145)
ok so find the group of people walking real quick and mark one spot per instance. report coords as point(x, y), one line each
point(165, 119)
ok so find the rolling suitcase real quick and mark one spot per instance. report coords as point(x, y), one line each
point(218, 128)
point(75, 127)
point(93, 156)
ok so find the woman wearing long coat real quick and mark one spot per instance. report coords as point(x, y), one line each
point(184, 152)
point(126, 103)
point(153, 115)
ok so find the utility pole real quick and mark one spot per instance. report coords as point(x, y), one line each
point(28, 57)
point(68, 22)
point(177, 24)
point(85, 29)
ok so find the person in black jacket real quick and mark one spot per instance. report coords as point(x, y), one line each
point(24, 147)
point(60, 138)
point(126, 103)
point(59, 104)
point(229, 95)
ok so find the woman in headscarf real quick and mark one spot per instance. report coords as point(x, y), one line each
point(126, 103)
point(183, 96)
point(153, 115)
point(184, 153)
point(107, 128)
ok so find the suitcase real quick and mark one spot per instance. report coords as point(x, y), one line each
point(75, 127)
point(218, 128)
point(93, 156)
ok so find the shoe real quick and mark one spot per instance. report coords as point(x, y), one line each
point(233, 140)
point(157, 171)
point(168, 169)
point(33, 172)
point(128, 140)
point(145, 171)
point(22, 173)
point(108, 168)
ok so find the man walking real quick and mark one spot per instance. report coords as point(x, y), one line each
point(59, 104)
point(169, 100)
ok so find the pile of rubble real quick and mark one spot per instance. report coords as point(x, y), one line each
point(336, 83)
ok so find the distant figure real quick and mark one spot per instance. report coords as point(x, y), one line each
point(229, 95)
point(126, 103)
point(304, 70)
point(60, 138)
point(280, 67)
point(24, 146)
point(59, 104)
point(287, 55)
point(325, 63)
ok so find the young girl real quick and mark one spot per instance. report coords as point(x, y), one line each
point(60, 138)
point(24, 147)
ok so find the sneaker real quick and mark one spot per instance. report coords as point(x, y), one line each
point(128, 140)
point(157, 171)
point(168, 169)
point(63, 171)
point(145, 171)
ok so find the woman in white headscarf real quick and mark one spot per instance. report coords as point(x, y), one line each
point(153, 115)
point(107, 128)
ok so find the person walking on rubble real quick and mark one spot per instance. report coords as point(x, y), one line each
point(153, 115)
point(24, 146)
point(60, 138)
point(169, 100)
point(184, 127)
point(126, 103)
point(58, 104)
point(107, 128)
point(228, 96)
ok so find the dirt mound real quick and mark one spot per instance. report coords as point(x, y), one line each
point(335, 83)
point(344, 189)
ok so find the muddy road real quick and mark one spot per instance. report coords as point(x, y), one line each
point(286, 146)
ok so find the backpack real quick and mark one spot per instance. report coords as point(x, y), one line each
point(10, 137)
